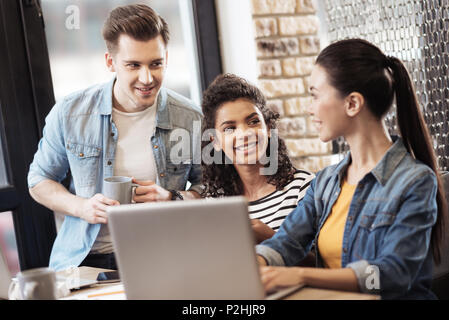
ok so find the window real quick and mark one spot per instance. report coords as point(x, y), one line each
point(3, 176)
point(76, 46)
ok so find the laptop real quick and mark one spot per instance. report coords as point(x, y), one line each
point(5, 277)
point(198, 249)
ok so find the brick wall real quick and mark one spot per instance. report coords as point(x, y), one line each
point(286, 35)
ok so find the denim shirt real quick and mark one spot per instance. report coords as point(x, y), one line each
point(79, 135)
point(386, 237)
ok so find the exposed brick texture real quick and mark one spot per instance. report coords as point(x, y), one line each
point(277, 47)
point(287, 43)
point(297, 66)
point(309, 45)
point(290, 26)
point(306, 6)
point(265, 27)
point(282, 87)
point(273, 6)
point(270, 68)
point(277, 105)
point(297, 106)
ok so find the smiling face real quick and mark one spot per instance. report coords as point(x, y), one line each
point(140, 68)
point(328, 107)
point(241, 132)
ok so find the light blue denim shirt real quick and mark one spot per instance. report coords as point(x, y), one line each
point(79, 135)
point(387, 232)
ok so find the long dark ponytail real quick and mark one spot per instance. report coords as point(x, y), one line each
point(355, 65)
point(417, 140)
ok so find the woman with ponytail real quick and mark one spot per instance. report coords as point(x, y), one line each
point(376, 218)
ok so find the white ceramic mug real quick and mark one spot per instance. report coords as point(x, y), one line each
point(119, 188)
point(34, 284)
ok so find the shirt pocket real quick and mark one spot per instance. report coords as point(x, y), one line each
point(371, 232)
point(84, 163)
point(373, 221)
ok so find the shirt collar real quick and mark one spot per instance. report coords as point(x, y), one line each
point(106, 105)
point(386, 166)
point(162, 114)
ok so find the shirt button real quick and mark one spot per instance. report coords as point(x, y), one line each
point(112, 134)
point(345, 250)
point(350, 218)
point(162, 175)
point(156, 146)
point(81, 154)
point(109, 162)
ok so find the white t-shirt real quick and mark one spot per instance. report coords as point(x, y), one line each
point(134, 154)
point(133, 157)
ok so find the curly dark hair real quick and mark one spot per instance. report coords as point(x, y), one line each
point(222, 179)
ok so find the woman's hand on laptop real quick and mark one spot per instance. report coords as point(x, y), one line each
point(93, 210)
point(148, 191)
point(273, 277)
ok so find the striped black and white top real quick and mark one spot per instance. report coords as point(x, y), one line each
point(273, 208)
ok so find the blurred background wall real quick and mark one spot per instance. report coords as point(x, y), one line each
point(290, 33)
point(287, 36)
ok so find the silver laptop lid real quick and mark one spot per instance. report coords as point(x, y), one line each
point(198, 249)
point(5, 277)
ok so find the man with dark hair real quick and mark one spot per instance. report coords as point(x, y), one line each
point(121, 128)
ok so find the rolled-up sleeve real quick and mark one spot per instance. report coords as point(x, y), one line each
point(272, 257)
point(50, 160)
point(195, 177)
point(368, 277)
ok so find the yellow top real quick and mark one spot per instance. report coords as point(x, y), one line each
point(330, 239)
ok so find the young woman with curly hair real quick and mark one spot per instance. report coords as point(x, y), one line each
point(245, 155)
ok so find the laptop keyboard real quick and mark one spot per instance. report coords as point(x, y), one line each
point(282, 292)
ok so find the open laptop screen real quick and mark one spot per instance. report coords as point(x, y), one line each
point(8, 245)
point(197, 249)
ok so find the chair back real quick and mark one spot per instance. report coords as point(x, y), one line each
point(440, 284)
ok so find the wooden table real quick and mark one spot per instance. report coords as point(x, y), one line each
point(306, 293)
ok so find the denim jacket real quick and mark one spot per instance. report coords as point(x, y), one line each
point(386, 238)
point(79, 135)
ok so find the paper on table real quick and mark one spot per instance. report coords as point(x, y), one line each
point(110, 292)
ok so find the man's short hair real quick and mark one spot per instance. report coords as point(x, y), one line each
point(137, 21)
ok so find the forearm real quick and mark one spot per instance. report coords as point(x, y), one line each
point(337, 279)
point(56, 197)
point(261, 260)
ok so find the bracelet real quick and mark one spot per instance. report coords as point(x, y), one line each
point(176, 195)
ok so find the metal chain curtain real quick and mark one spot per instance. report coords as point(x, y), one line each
point(415, 31)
